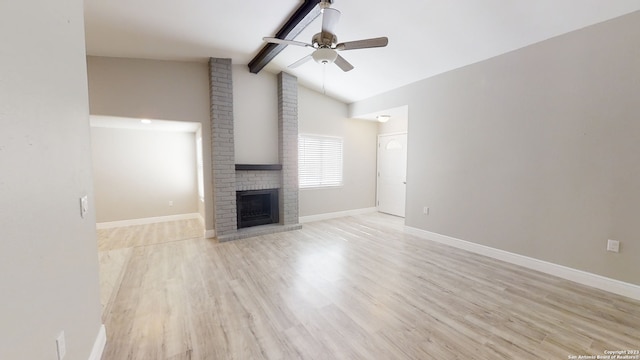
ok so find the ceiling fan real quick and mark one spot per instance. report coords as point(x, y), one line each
point(326, 43)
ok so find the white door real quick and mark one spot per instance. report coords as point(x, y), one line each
point(392, 173)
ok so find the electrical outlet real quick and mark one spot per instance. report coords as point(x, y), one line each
point(425, 210)
point(61, 346)
point(613, 245)
point(171, 203)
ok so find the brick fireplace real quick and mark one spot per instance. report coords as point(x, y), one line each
point(230, 178)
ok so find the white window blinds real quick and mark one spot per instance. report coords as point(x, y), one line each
point(319, 161)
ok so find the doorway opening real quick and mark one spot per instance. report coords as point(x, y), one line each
point(145, 178)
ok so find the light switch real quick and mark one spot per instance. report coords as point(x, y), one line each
point(84, 206)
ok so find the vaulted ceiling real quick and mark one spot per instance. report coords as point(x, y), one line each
point(426, 37)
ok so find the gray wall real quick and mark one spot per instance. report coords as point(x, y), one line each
point(394, 125)
point(255, 116)
point(173, 90)
point(321, 115)
point(48, 253)
point(154, 89)
point(138, 172)
point(535, 152)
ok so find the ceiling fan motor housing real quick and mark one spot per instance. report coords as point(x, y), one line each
point(324, 39)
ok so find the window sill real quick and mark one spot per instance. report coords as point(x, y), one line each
point(321, 187)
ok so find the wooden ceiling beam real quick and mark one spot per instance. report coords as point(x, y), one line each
point(305, 14)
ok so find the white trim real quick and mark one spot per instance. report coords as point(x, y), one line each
point(323, 187)
point(208, 234)
point(579, 276)
point(393, 133)
point(144, 221)
point(338, 214)
point(98, 345)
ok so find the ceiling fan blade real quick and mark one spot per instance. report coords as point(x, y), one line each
point(343, 64)
point(300, 62)
point(285, 42)
point(363, 44)
point(330, 19)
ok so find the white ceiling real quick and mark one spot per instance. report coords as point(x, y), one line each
point(426, 37)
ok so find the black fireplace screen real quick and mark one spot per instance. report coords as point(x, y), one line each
point(257, 207)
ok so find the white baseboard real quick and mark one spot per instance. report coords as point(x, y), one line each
point(208, 234)
point(338, 214)
point(98, 345)
point(144, 221)
point(578, 276)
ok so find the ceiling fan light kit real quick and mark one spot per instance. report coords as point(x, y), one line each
point(326, 43)
point(324, 56)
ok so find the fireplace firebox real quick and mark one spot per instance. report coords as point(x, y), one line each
point(257, 207)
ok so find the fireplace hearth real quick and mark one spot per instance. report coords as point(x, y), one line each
point(257, 207)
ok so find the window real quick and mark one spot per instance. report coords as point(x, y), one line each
point(319, 161)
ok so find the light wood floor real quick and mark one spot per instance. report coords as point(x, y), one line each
point(115, 247)
point(350, 288)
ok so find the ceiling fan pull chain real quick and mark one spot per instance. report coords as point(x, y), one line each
point(324, 78)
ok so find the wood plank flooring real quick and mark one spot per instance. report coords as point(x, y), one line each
point(149, 234)
point(115, 248)
point(349, 288)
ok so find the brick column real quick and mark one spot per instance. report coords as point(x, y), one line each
point(223, 157)
point(288, 130)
